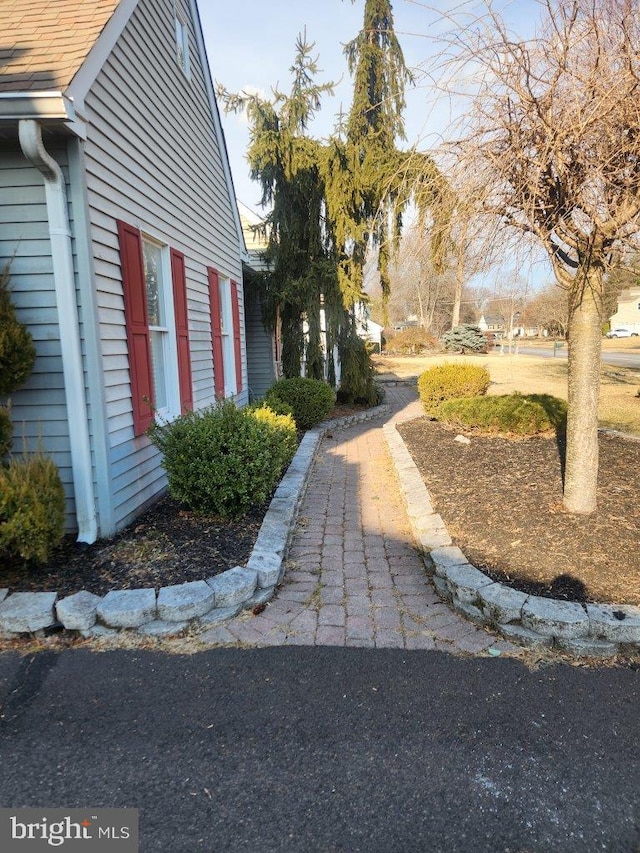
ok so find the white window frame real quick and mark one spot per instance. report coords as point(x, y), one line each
point(182, 46)
point(228, 341)
point(169, 340)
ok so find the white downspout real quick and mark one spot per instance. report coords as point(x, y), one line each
point(60, 234)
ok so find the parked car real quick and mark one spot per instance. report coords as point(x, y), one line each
point(622, 333)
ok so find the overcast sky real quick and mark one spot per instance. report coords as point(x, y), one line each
point(251, 45)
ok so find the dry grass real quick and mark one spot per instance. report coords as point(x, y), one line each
point(619, 401)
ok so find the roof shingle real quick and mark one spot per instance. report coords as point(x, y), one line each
point(43, 43)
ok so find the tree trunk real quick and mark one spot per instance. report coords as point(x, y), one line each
point(585, 343)
point(457, 296)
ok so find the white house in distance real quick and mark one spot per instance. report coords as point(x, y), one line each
point(123, 237)
point(628, 314)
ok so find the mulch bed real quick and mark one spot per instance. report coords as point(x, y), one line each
point(501, 501)
point(164, 546)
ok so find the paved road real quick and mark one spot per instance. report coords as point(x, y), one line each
point(618, 359)
point(329, 749)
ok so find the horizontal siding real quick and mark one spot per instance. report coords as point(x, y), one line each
point(260, 364)
point(38, 409)
point(152, 160)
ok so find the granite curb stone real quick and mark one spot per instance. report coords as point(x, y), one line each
point(26, 612)
point(553, 618)
point(233, 586)
point(78, 612)
point(532, 621)
point(618, 623)
point(185, 601)
point(127, 608)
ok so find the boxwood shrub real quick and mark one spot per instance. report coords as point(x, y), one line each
point(449, 381)
point(224, 460)
point(311, 400)
point(31, 508)
point(515, 414)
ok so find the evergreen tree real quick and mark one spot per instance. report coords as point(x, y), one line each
point(285, 160)
point(331, 202)
point(369, 180)
point(17, 356)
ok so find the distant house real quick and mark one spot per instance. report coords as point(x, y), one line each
point(126, 251)
point(492, 323)
point(627, 315)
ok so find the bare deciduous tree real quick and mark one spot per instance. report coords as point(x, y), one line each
point(554, 146)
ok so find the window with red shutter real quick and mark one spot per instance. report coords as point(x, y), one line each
point(156, 317)
point(216, 331)
point(137, 324)
point(182, 329)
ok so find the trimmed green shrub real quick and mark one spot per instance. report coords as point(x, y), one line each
point(464, 339)
point(31, 508)
point(357, 373)
point(311, 400)
point(276, 405)
point(449, 381)
point(6, 430)
point(515, 414)
point(224, 460)
point(282, 428)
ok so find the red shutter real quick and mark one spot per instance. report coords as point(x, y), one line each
point(138, 338)
point(216, 332)
point(237, 344)
point(182, 329)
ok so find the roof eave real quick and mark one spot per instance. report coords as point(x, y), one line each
point(44, 107)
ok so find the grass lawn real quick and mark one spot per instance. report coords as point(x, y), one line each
point(619, 404)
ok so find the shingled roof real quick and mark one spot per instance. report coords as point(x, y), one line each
point(43, 43)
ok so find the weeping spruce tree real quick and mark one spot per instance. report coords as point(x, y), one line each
point(333, 202)
point(285, 160)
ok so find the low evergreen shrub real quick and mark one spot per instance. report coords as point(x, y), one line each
point(224, 460)
point(448, 381)
point(514, 414)
point(31, 508)
point(311, 400)
point(6, 431)
point(465, 339)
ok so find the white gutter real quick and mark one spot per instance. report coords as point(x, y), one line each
point(30, 133)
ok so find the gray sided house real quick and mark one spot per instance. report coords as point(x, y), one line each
point(118, 217)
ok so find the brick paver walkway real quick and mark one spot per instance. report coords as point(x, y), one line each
point(354, 577)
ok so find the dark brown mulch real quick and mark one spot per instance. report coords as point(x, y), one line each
point(501, 501)
point(166, 545)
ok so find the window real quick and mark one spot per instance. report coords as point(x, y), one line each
point(155, 301)
point(225, 334)
point(158, 295)
point(182, 46)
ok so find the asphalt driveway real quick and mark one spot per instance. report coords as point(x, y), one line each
point(328, 749)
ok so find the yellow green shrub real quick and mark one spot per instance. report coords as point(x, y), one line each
point(450, 381)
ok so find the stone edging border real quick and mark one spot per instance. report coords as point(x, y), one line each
point(195, 605)
point(591, 630)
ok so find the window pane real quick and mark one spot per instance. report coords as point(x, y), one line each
point(159, 369)
point(153, 279)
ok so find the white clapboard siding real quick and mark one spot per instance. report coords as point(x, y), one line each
point(38, 409)
point(153, 160)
